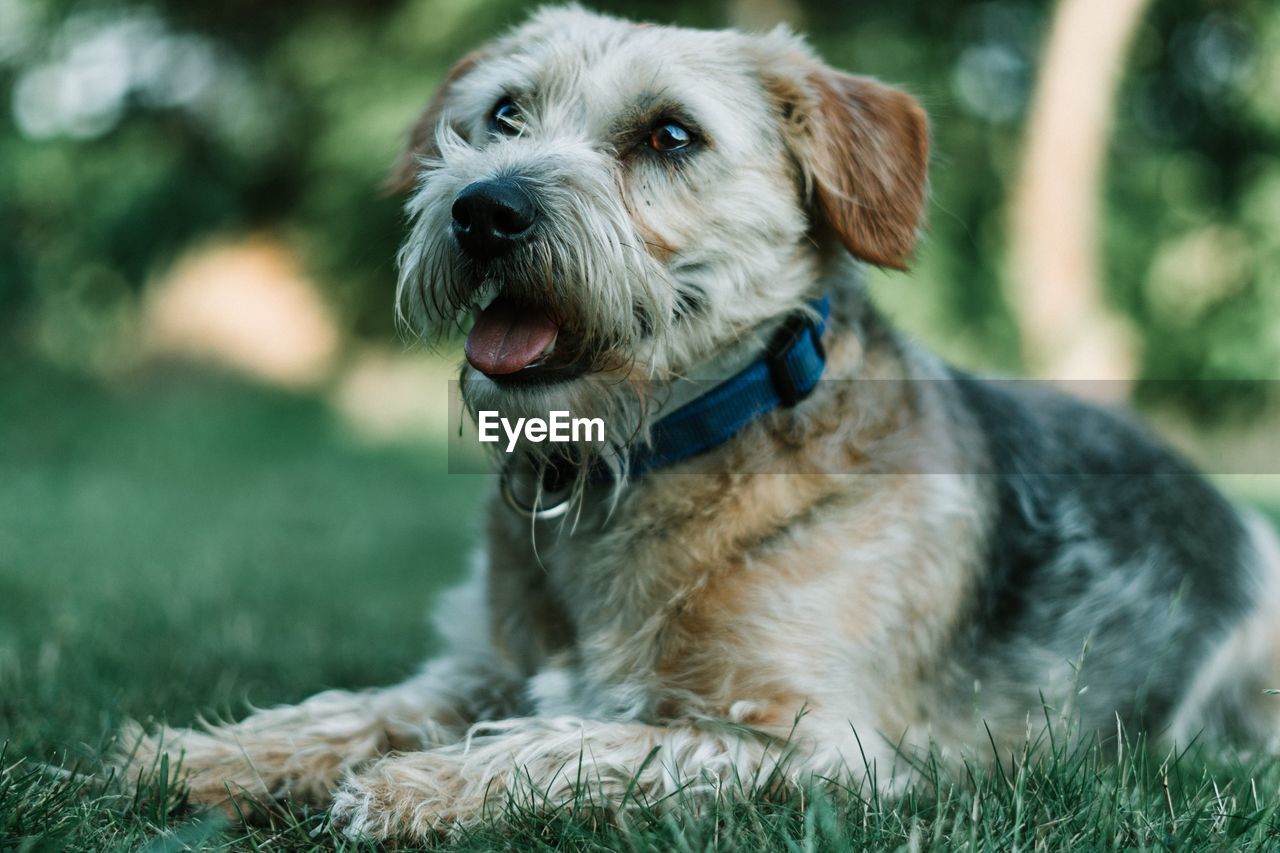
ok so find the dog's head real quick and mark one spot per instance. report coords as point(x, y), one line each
point(614, 202)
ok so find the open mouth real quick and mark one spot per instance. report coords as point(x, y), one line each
point(516, 342)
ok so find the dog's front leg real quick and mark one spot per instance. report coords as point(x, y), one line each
point(302, 751)
point(546, 763)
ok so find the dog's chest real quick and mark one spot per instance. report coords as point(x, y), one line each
point(620, 593)
point(664, 602)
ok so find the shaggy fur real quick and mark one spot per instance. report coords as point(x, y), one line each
point(911, 558)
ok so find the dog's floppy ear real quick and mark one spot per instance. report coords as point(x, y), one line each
point(863, 148)
point(422, 136)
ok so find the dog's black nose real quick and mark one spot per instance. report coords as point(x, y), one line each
point(490, 218)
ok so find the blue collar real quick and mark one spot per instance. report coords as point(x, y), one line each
point(785, 374)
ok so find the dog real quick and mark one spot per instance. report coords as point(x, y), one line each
point(808, 547)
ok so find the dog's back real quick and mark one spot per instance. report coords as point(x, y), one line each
point(1114, 566)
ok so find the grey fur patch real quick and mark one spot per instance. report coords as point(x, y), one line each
point(1106, 550)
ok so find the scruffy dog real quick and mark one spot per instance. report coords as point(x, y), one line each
point(760, 573)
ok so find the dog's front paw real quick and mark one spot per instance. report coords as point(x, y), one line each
point(355, 814)
point(299, 752)
point(416, 795)
point(214, 771)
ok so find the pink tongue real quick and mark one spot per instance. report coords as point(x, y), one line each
point(507, 337)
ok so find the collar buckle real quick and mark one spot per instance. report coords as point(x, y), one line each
point(785, 359)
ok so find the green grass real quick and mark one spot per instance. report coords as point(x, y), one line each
point(185, 543)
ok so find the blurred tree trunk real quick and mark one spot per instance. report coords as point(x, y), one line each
point(1053, 278)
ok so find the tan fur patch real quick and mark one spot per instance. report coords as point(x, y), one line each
point(865, 146)
point(871, 158)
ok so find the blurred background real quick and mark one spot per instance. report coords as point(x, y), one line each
point(221, 465)
point(201, 180)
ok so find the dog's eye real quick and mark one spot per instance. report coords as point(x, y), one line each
point(506, 118)
point(670, 136)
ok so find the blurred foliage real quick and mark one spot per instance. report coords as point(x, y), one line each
point(133, 131)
